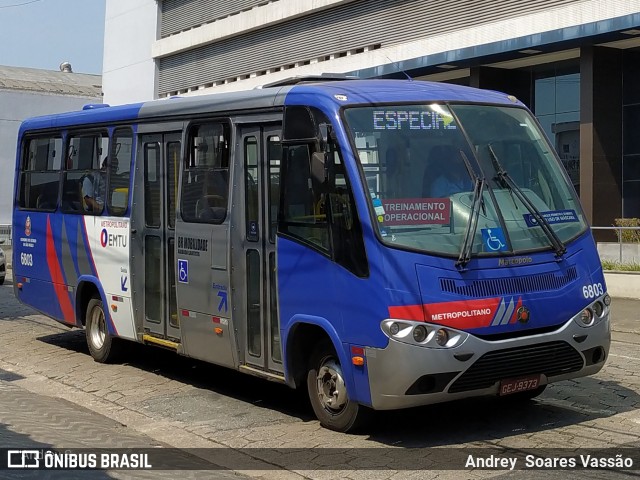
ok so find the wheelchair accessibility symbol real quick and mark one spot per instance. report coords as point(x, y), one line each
point(493, 239)
point(183, 271)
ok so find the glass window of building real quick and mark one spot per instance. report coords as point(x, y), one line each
point(630, 137)
point(557, 107)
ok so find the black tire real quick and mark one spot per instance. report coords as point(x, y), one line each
point(524, 396)
point(323, 388)
point(103, 347)
point(1, 280)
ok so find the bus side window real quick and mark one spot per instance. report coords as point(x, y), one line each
point(40, 174)
point(120, 153)
point(321, 211)
point(317, 204)
point(346, 231)
point(304, 215)
point(205, 179)
point(85, 178)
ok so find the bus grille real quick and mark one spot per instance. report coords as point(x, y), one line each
point(553, 358)
point(511, 285)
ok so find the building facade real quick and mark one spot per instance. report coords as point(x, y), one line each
point(29, 92)
point(575, 63)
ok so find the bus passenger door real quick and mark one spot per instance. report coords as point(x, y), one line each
point(154, 238)
point(255, 273)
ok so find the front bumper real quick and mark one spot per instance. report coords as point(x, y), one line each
point(403, 375)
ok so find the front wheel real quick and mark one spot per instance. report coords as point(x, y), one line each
point(328, 392)
point(103, 347)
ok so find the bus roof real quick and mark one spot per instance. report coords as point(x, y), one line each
point(343, 93)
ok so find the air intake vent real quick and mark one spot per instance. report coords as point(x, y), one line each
point(511, 285)
point(550, 359)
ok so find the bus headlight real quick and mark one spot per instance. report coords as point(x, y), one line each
point(598, 309)
point(419, 334)
point(394, 328)
point(442, 337)
point(594, 313)
point(586, 317)
point(423, 334)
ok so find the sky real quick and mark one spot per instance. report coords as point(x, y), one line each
point(45, 33)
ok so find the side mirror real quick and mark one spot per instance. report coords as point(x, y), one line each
point(323, 130)
point(318, 169)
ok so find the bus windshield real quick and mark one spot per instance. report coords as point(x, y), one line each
point(432, 169)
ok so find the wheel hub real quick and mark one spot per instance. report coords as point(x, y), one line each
point(331, 387)
point(98, 328)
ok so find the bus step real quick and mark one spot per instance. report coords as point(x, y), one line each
point(275, 377)
point(160, 342)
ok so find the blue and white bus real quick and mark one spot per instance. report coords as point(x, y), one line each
point(382, 243)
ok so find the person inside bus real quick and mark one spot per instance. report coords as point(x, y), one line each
point(212, 206)
point(94, 185)
point(398, 166)
point(453, 177)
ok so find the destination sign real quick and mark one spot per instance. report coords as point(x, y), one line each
point(411, 120)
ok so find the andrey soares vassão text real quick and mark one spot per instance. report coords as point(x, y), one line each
point(535, 461)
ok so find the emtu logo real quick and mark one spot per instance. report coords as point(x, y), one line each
point(112, 240)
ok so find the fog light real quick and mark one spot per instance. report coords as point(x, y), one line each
point(419, 334)
point(586, 316)
point(442, 337)
point(598, 309)
point(394, 328)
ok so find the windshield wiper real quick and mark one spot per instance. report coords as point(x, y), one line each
point(472, 224)
point(513, 187)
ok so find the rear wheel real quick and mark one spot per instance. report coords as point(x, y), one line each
point(103, 347)
point(328, 392)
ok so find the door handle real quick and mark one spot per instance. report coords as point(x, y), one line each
point(134, 231)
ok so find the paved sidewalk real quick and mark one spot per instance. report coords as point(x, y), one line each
point(625, 319)
point(32, 421)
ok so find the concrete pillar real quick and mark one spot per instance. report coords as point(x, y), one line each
point(601, 136)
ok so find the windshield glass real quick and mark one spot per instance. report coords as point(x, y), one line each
point(421, 163)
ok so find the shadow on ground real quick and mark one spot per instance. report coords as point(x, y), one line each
point(473, 420)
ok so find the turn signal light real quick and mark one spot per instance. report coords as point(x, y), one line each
point(218, 330)
point(357, 361)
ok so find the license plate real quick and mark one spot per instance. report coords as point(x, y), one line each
point(522, 384)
